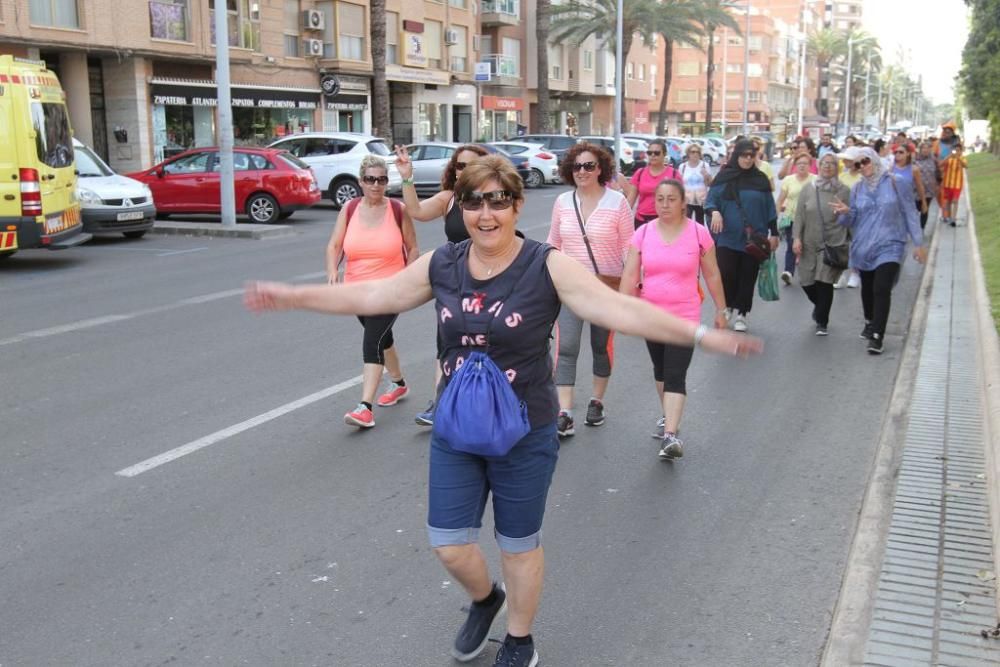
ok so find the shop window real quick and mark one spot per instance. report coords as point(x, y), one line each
point(168, 19)
point(243, 22)
point(191, 164)
point(391, 38)
point(292, 18)
point(351, 31)
point(55, 13)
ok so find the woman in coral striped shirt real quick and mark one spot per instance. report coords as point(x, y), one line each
point(607, 219)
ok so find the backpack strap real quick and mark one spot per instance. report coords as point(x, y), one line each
point(349, 209)
point(397, 212)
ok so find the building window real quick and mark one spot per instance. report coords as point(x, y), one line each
point(457, 3)
point(351, 31)
point(688, 68)
point(512, 55)
point(687, 96)
point(642, 72)
point(588, 60)
point(292, 28)
point(734, 68)
point(555, 61)
point(756, 42)
point(243, 22)
point(168, 19)
point(459, 50)
point(55, 13)
point(755, 70)
point(432, 43)
point(754, 96)
point(630, 70)
point(392, 38)
point(329, 32)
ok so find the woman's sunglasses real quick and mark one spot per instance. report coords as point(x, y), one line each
point(863, 162)
point(748, 154)
point(586, 166)
point(497, 200)
point(654, 153)
point(372, 180)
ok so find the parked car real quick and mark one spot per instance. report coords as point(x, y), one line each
point(335, 158)
point(270, 184)
point(110, 203)
point(626, 161)
point(557, 144)
point(712, 153)
point(544, 164)
point(430, 158)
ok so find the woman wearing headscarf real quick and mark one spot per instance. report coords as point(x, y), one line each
point(740, 197)
point(881, 217)
point(927, 165)
point(814, 226)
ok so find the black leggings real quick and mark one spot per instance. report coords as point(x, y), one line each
point(696, 212)
point(923, 216)
point(739, 277)
point(821, 295)
point(670, 365)
point(377, 338)
point(876, 294)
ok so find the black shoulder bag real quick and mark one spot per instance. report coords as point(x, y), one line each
point(837, 256)
point(614, 282)
point(757, 245)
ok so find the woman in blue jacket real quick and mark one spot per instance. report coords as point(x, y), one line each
point(740, 197)
point(882, 218)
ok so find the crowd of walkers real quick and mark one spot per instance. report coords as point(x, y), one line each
point(628, 256)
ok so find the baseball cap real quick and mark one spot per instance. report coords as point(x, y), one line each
point(851, 153)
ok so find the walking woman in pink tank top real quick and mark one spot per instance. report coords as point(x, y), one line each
point(375, 236)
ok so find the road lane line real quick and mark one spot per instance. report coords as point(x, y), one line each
point(218, 436)
point(180, 252)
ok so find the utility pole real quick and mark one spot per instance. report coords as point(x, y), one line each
point(848, 78)
point(619, 84)
point(725, 75)
point(225, 131)
point(868, 76)
point(746, 72)
point(802, 82)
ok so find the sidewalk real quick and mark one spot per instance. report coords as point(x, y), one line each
point(930, 586)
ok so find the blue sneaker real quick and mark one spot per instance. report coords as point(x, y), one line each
point(474, 633)
point(426, 418)
point(512, 654)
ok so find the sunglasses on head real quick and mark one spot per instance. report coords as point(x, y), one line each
point(654, 153)
point(372, 180)
point(863, 162)
point(498, 200)
point(586, 166)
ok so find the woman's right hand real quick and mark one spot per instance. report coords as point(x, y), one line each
point(403, 163)
point(839, 207)
point(333, 278)
point(716, 224)
point(731, 343)
point(797, 247)
point(261, 296)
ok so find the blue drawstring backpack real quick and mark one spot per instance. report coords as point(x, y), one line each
point(478, 412)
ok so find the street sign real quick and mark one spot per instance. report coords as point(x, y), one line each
point(482, 72)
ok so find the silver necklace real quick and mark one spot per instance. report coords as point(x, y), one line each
point(489, 269)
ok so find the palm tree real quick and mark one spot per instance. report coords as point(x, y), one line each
point(543, 18)
point(712, 15)
point(380, 87)
point(577, 20)
point(675, 22)
point(825, 45)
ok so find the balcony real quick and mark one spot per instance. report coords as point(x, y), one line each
point(503, 69)
point(500, 12)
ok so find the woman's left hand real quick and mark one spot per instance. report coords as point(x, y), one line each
point(775, 242)
point(720, 319)
point(920, 254)
point(731, 343)
point(261, 296)
point(621, 182)
point(923, 206)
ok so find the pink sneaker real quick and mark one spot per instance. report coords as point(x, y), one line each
point(393, 396)
point(361, 417)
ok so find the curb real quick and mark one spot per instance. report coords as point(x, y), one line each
point(989, 365)
point(853, 611)
point(240, 231)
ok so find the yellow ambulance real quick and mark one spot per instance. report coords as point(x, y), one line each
point(38, 205)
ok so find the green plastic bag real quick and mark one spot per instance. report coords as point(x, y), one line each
point(767, 279)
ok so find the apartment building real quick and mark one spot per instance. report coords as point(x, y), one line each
point(844, 15)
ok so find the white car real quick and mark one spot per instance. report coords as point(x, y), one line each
point(109, 202)
point(609, 143)
point(711, 151)
point(544, 165)
point(335, 158)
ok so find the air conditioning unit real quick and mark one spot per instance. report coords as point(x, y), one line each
point(313, 19)
point(312, 47)
point(451, 37)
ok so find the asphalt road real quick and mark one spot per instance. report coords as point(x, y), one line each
point(279, 536)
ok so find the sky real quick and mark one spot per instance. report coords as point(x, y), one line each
point(933, 34)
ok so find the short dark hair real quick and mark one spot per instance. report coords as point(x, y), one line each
point(492, 167)
point(450, 174)
point(672, 182)
point(604, 164)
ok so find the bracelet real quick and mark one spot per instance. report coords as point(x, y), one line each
point(699, 333)
point(407, 181)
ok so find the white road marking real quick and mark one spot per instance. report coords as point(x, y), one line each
point(179, 252)
point(110, 319)
point(225, 433)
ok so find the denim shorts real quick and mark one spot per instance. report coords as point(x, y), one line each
point(519, 481)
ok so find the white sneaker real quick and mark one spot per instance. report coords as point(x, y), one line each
point(842, 281)
point(740, 323)
point(786, 277)
point(854, 280)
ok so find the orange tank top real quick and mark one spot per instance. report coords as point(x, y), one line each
point(375, 252)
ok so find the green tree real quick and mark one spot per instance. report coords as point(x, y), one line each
point(979, 78)
point(575, 21)
point(543, 21)
point(712, 15)
point(825, 46)
point(676, 22)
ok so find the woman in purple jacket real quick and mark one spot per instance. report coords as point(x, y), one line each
point(881, 217)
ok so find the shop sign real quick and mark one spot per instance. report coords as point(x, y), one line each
point(410, 75)
point(412, 37)
point(502, 103)
point(347, 103)
point(199, 95)
point(330, 85)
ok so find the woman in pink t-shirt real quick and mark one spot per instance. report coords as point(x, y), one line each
point(662, 267)
point(645, 180)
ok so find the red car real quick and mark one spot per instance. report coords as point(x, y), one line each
point(270, 184)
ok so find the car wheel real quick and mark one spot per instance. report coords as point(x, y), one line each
point(343, 191)
point(535, 179)
point(262, 209)
point(136, 234)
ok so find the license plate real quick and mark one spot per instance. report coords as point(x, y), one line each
point(54, 224)
point(131, 215)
